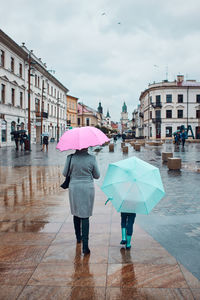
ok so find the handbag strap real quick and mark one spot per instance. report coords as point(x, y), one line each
point(69, 165)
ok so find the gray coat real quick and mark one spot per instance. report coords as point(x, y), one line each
point(83, 169)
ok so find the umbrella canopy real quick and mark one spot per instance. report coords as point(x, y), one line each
point(133, 185)
point(80, 138)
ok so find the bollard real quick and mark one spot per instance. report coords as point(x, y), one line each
point(166, 155)
point(125, 149)
point(111, 148)
point(174, 163)
point(122, 145)
point(137, 147)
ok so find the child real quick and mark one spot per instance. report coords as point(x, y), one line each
point(127, 221)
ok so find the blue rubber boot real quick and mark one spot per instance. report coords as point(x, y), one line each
point(123, 241)
point(128, 241)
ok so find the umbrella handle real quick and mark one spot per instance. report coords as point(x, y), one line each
point(107, 200)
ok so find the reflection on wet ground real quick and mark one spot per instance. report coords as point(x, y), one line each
point(39, 258)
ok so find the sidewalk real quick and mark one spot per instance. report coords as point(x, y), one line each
point(39, 258)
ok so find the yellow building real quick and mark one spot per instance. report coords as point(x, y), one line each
point(72, 111)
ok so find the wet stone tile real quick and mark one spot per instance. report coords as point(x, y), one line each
point(12, 274)
point(70, 275)
point(148, 294)
point(10, 292)
point(27, 238)
point(141, 275)
point(20, 254)
point(45, 293)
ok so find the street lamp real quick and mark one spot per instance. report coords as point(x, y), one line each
point(58, 104)
point(42, 109)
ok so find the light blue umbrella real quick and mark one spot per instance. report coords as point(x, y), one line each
point(133, 185)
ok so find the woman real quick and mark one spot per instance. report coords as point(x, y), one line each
point(83, 168)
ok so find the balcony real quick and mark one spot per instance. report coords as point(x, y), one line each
point(156, 105)
point(156, 120)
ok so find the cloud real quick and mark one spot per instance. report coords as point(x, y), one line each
point(98, 59)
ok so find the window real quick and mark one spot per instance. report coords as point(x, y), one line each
point(52, 110)
point(35, 80)
point(169, 98)
point(48, 108)
point(198, 98)
point(87, 122)
point(21, 99)
point(47, 88)
point(158, 99)
point(13, 128)
point(3, 130)
point(150, 131)
point(198, 114)
point(55, 111)
point(158, 114)
point(179, 113)
point(2, 58)
point(38, 81)
point(13, 96)
point(180, 98)
point(37, 105)
point(3, 88)
point(168, 131)
point(51, 91)
point(12, 64)
point(20, 70)
point(150, 114)
point(168, 114)
point(150, 98)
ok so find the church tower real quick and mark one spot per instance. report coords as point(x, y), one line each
point(108, 118)
point(100, 108)
point(124, 117)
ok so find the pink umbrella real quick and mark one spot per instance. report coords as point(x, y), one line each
point(80, 138)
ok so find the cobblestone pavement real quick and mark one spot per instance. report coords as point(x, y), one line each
point(38, 255)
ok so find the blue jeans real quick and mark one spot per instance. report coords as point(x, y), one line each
point(127, 221)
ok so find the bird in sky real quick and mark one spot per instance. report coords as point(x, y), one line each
point(119, 23)
point(103, 14)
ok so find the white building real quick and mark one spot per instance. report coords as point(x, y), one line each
point(47, 95)
point(165, 106)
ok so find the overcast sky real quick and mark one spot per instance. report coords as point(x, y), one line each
point(97, 58)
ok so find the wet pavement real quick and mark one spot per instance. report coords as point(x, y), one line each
point(39, 258)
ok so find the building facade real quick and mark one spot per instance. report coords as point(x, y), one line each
point(87, 116)
point(24, 77)
point(72, 111)
point(166, 106)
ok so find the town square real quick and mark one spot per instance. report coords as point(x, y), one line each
point(99, 150)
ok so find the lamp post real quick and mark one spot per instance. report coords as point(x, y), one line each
point(42, 109)
point(58, 119)
point(29, 101)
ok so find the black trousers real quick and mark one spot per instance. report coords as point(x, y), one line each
point(81, 227)
point(127, 221)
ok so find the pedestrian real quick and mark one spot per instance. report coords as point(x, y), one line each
point(127, 222)
point(123, 137)
point(183, 137)
point(16, 138)
point(45, 142)
point(23, 138)
point(83, 169)
point(177, 138)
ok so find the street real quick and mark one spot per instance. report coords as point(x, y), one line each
point(39, 258)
